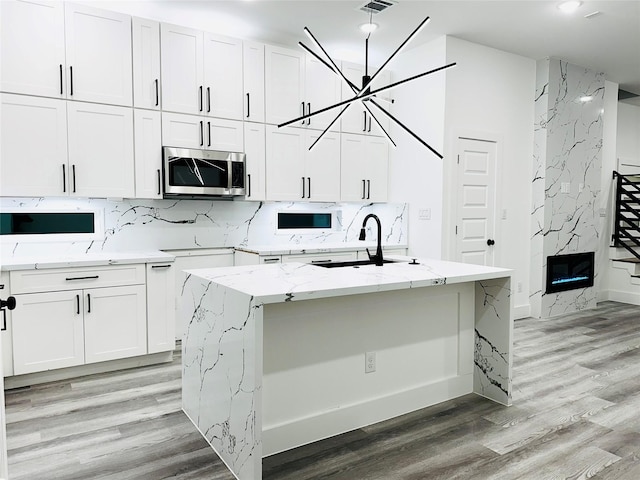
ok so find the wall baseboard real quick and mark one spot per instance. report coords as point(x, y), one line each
point(522, 311)
point(632, 298)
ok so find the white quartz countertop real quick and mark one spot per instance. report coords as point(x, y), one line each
point(84, 260)
point(284, 282)
point(289, 249)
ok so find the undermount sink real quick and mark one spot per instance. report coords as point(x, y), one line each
point(352, 263)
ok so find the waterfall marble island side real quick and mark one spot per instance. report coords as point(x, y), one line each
point(274, 355)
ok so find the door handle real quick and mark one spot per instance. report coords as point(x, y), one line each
point(73, 175)
point(201, 99)
point(364, 127)
point(64, 179)
point(303, 114)
point(309, 113)
point(309, 192)
point(157, 93)
point(70, 80)
point(60, 79)
point(78, 304)
point(209, 134)
point(201, 133)
point(303, 187)
point(248, 184)
point(368, 189)
point(491, 242)
point(208, 99)
point(88, 303)
point(364, 189)
point(248, 106)
point(159, 183)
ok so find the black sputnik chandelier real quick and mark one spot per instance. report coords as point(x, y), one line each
point(364, 94)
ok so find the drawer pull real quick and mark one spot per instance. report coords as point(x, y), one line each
point(160, 266)
point(271, 260)
point(322, 261)
point(93, 277)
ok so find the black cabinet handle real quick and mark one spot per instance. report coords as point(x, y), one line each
point(157, 93)
point(73, 176)
point(4, 319)
point(64, 178)
point(201, 133)
point(60, 79)
point(209, 133)
point(78, 304)
point(248, 184)
point(491, 242)
point(88, 303)
point(70, 80)
point(93, 277)
point(368, 189)
point(364, 127)
point(208, 99)
point(369, 129)
point(159, 182)
point(303, 114)
point(309, 182)
point(201, 99)
point(160, 266)
point(364, 189)
point(303, 187)
point(248, 106)
point(309, 113)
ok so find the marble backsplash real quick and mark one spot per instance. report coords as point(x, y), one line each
point(134, 225)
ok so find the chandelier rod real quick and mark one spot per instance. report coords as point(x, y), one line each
point(317, 43)
point(368, 95)
point(406, 128)
point(326, 64)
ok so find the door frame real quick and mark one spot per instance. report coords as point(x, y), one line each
point(450, 192)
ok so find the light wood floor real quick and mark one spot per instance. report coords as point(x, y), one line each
point(575, 415)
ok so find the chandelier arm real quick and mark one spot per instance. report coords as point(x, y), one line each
point(350, 83)
point(361, 96)
point(386, 134)
point(335, 67)
point(329, 126)
point(406, 129)
point(407, 40)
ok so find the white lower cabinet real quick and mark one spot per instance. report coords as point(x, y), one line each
point(48, 331)
point(115, 323)
point(161, 304)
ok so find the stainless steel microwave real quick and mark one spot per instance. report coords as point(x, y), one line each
point(192, 173)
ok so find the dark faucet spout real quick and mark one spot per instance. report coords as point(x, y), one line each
point(377, 258)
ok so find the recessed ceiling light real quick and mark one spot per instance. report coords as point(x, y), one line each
point(569, 6)
point(368, 27)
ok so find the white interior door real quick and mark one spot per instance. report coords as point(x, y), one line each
point(476, 193)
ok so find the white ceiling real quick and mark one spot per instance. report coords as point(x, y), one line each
point(608, 42)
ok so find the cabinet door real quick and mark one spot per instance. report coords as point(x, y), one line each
point(98, 52)
point(384, 100)
point(285, 164)
point(115, 323)
point(148, 153)
point(284, 84)
point(32, 50)
point(48, 331)
point(322, 167)
point(180, 130)
point(146, 63)
point(223, 76)
point(254, 149)
point(34, 172)
point(353, 182)
point(225, 135)
point(253, 74)
point(353, 120)
point(182, 69)
point(161, 309)
point(101, 150)
point(322, 89)
point(376, 166)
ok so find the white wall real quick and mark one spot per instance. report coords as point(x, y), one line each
point(629, 131)
point(490, 93)
point(415, 173)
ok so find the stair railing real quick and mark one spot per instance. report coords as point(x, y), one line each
point(626, 231)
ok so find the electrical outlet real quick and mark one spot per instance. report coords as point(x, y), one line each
point(369, 362)
point(565, 187)
point(519, 287)
point(424, 214)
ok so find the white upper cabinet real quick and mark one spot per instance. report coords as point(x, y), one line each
point(253, 68)
point(33, 171)
point(147, 153)
point(98, 53)
point(182, 69)
point(223, 77)
point(32, 48)
point(296, 174)
point(146, 63)
point(254, 149)
point(194, 131)
point(357, 119)
point(364, 168)
point(100, 150)
point(201, 73)
point(297, 85)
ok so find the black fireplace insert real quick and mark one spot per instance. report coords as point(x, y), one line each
point(568, 272)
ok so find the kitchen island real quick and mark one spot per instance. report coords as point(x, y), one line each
point(274, 356)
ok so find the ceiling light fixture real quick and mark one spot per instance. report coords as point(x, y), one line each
point(364, 94)
point(368, 27)
point(569, 6)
